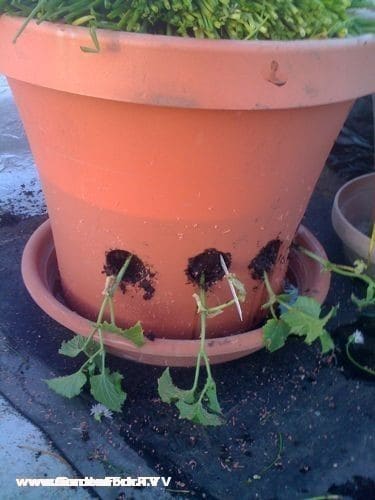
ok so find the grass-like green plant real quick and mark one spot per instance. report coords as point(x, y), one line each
point(106, 386)
point(201, 406)
point(233, 19)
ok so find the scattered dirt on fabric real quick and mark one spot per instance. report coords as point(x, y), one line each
point(136, 274)
point(265, 260)
point(207, 266)
point(9, 219)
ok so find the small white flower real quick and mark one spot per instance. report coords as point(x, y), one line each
point(357, 337)
point(98, 411)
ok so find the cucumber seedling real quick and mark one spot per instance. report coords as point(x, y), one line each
point(201, 406)
point(105, 386)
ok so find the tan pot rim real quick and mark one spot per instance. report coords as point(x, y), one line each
point(39, 270)
point(184, 72)
point(351, 236)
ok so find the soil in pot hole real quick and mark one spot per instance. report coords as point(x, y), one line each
point(136, 274)
point(207, 266)
point(265, 259)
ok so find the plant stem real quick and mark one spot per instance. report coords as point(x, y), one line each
point(355, 363)
point(219, 308)
point(347, 271)
point(271, 294)
point(112, 311)
point(89, 360)
point(102, 350)
point(203, 315)
point(277, 457)
point(32, 14)
point(108, 302)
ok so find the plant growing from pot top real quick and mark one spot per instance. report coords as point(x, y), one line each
point(234, 19)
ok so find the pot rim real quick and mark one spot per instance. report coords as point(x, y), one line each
point(39, 271)
point(197, 43)
point(349, 234)
point(186, 72)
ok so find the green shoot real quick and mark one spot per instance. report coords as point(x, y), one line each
point(105, 385)
point(260, 474)
point(233, 19)
point(200, 406)
point(357, 271)
point(300, 317)
point(371, 247)
point(357, 338)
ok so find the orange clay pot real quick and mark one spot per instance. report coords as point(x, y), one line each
point(167, 146)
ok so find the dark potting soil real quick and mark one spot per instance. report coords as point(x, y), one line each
point(136, 274)
point(265, 259)
point(207, 266)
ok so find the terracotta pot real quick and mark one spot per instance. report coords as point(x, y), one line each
point(353, 214)
point(165, 147)
point(40, 273)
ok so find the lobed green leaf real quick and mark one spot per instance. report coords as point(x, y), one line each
point(169, 393)
point(68, 386)
point(106, 389)
point(72, 347)
point(275, 333)
point(211, 397)
point(134, 333)
point(198, 414)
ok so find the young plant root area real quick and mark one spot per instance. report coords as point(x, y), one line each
point(298, 425)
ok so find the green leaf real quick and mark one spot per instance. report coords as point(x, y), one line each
point(275, 333)
point(134, 333)
point(198, 414)
point(68, 386)
point(72, 347)
point(106, 389)
point(326, 342)
point(211, 395)
point(308, 305)
point(304, 319)
point(169, 393)
point(369, 300)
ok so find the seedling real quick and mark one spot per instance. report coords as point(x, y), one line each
point(357, 271)
point(105, 385)
point(357, 338)
point(201, 406)
point(260, 474)
point(298, 316)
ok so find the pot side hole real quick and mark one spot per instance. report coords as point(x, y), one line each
point(207, 265)
point(137, 274)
